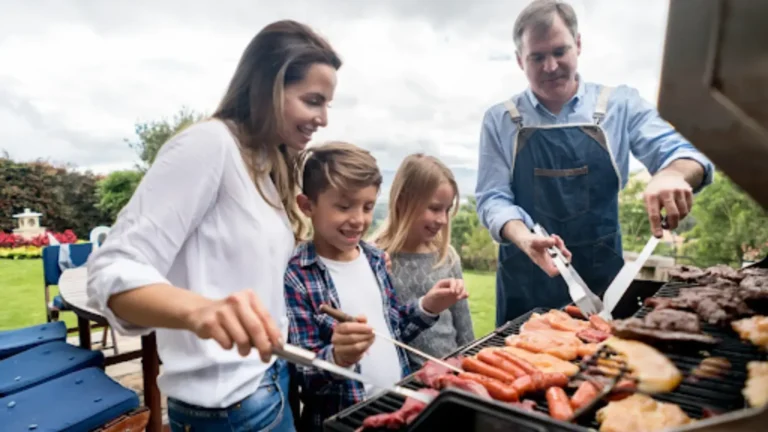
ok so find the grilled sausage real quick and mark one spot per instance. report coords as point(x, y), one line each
point(574, 311)
point(523, 364)
point(492, 358)
point(584, 395)
point(471, 364)
point(559, 405)
point(497, 389)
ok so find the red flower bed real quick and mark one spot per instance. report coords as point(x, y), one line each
point(14, 240)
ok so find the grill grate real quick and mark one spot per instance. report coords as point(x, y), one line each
point(695, 396)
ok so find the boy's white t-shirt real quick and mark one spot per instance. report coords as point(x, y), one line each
point(359, 294)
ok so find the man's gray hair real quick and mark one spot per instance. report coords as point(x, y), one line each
point(539, 16)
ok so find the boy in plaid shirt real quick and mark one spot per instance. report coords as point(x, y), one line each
point(340, 184)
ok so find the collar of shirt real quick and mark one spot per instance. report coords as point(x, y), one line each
point(573, 102)
point(307, 254)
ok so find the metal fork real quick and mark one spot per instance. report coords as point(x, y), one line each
point(587, 301)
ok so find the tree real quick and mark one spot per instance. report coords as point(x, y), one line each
point(115, 191)
point(464, 223)
point(635, 227)
point(729, 224)
point(152, 135)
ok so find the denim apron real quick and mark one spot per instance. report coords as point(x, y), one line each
point(566, 179)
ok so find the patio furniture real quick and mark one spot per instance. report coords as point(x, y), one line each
point(15, 341)
point(44, 363)
point(52, 271)
point(84, 400)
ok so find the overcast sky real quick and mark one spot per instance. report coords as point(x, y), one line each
point(76, 75)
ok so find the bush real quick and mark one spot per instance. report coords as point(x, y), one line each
point(65, 197)
point(21, 252)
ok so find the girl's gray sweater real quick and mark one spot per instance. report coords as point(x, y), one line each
point(413, 274)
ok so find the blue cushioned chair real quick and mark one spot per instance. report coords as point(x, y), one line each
point(78, 255)
point(80, 401)
point(44, 363)
point(15, 341)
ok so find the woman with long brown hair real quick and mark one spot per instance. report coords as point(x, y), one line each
point(199, 253)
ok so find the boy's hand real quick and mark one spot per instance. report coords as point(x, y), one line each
point(443, 295)
point(350, 341)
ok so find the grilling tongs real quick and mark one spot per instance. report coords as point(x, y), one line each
point(587, 301)
point(301, 356)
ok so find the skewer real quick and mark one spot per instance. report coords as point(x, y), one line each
point(343, 317)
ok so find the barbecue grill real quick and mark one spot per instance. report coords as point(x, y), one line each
point(698, 397)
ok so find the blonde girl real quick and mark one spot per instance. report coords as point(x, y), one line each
point(417, 235)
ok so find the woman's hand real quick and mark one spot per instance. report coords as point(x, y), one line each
point(350, 341)
point(240, 319)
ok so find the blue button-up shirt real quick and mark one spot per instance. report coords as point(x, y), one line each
point(631, 125)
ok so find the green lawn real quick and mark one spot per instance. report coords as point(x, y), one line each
point(21, 284)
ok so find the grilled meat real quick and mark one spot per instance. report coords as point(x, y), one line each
point(706, 276)
point(404, 416)
point(753, 329)
point(756, 389)
point(655, 373)
point(640, 413)
point(713, 305)
point(663, 325)
point(430, 373)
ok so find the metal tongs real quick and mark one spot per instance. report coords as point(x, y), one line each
point(587, 301)
point(301, 356)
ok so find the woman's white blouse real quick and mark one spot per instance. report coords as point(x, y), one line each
point(196, 221)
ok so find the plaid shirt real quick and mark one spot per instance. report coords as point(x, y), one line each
point(308, 285)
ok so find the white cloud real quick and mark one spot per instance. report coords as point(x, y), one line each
point(75, 76)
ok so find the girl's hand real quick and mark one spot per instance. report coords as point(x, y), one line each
point(239, 319)
point(443, 295)
point(387, 262)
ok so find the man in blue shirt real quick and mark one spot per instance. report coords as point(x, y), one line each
point(557, 154)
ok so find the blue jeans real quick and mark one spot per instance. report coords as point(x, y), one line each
point(265, 410)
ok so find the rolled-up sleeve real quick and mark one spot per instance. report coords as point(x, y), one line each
point(495, 200)
point(168, 204)
point(656, 143)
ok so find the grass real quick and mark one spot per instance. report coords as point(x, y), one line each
point(21, 285)
point(23, 297)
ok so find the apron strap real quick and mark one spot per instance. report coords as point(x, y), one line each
point(602, 104)
point(514, 113)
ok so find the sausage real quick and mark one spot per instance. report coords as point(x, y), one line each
point(471, 364)
point(559, 405)
point(525, 384)
point(584, 395)
point(622, 389)
point(495, 360)
point(497, 389)
point(600, 324)
point(522, 363)
point(574, 311)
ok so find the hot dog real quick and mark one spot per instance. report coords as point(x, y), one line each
point(471, 364)
point(543, 381)
point(559, 405)
point(584, 395)
point(494, 359)
point(497, 389)
point(574, 311)
point(523, 364)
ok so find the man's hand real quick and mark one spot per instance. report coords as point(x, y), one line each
point(535, 246)
point(668, 190)
point(444, 294)
point(350, 341)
